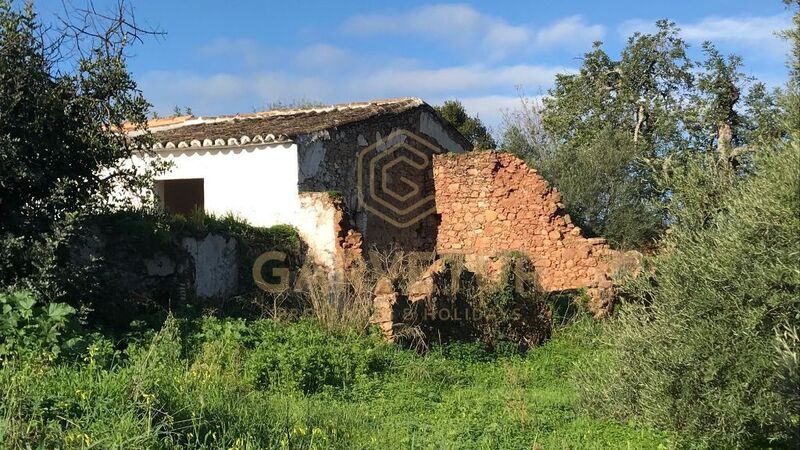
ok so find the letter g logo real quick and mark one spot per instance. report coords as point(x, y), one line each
point(281, 273)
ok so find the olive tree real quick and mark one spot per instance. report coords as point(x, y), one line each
point(66, 98)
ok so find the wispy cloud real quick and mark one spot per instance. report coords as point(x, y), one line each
point(457, 79)
point(240, 75)
point(463, 26)
point(222, 92)
point(241, 51)
point(571, 30)
point(322, 56)
point(753, 32)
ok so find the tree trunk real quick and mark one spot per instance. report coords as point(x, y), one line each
point(724, 140)
point(639, 121)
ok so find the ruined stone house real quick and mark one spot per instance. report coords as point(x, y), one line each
point(286, 167)
point(376, 175)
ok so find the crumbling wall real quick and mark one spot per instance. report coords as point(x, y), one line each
point(491, 202)
point(317, 223)
point(130, 264)
point(329, 161)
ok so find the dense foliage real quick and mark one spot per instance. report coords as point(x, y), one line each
point(606, 135)
point(471, 127)
point(210, 383)
point(695, 347)
point(60, 153)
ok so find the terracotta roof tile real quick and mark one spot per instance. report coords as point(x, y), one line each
point(188, 131)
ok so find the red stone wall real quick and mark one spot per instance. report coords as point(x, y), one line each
point(492, 202)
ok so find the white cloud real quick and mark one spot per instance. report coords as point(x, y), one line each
point(246, 52)
point(226, 93)
point(251, 54)
point(755, 32)
point(322, 56)
point(463, 26)
point(573, 30)
point(456, 79)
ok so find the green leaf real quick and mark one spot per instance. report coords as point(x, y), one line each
point(59, 310)
point(25, 302)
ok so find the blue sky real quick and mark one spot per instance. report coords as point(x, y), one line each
point(223, 57)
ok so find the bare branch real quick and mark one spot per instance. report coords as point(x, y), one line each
point(110, 32)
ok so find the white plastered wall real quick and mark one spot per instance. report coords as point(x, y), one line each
point(258, 184)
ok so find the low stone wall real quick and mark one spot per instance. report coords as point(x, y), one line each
point(126, 264)
point(491, 202)
point(216, 265)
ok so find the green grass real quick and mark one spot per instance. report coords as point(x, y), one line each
point(207, 383)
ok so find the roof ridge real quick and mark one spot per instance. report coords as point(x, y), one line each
point(180, 121)
point(278, 125)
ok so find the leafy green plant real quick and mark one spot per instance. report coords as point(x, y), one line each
point(198, 384)
point(513, 309)
point(307, 358)
point(26, 327)
point(87, 95)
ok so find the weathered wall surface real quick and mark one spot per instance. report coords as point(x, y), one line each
point(492, 202)
point(328, 161)
point(317, 223)
point(216, 265)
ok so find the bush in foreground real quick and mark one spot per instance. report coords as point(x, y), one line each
point(696, 349)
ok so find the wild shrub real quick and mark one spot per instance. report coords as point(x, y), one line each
point(693, 348)
point(452, 303)
point(514, 309)
point(30, 329)
point(787, 365)
point(307, 358)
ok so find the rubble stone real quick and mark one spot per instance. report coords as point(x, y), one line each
point(490, 202)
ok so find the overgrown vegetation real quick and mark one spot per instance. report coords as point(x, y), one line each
point(61, 156)
point(706, 340)
point(213, 383)
point(103, 270)
point(703, 351)
point(694, 348)
point(507, 310)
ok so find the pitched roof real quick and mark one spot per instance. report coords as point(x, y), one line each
point(269, 126)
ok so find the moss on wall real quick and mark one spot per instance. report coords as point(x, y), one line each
point(127, 264)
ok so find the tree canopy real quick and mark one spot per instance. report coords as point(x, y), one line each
point(62, 149)
point(610, 136)
point(471, 127)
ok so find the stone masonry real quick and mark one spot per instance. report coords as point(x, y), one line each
point(490, 202)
